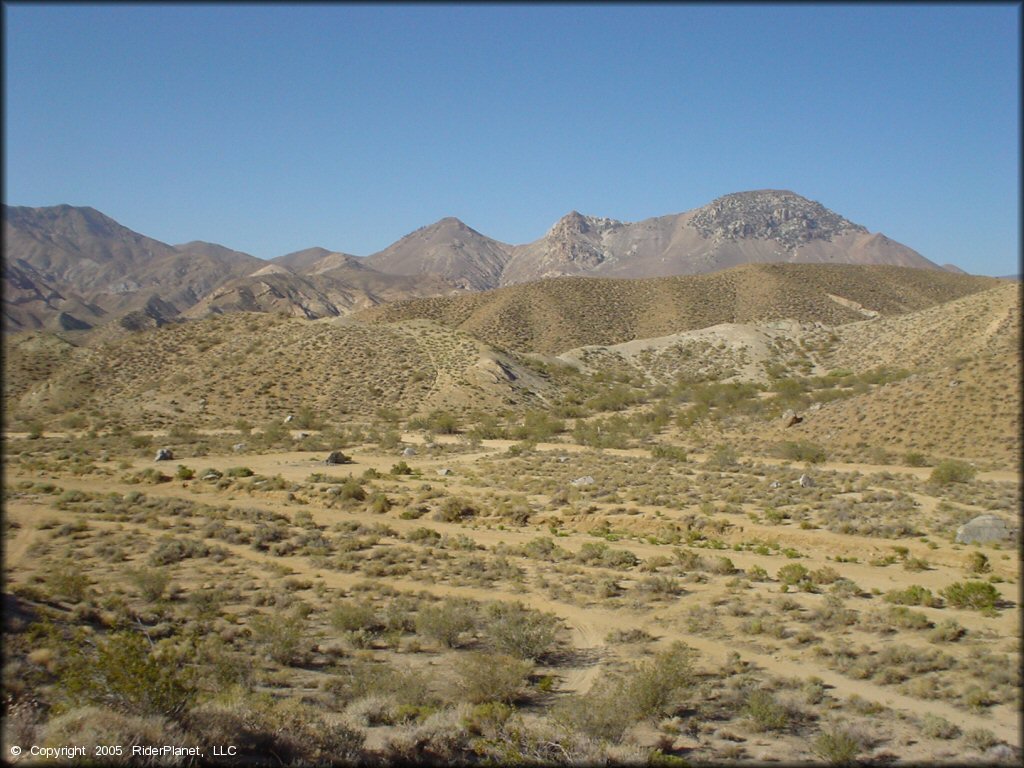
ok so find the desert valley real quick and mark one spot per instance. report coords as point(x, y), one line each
point(739, 484)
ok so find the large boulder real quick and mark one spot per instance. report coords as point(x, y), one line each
point(984, 529)
point(164, 454)
point(806, 481)
point(337, 457)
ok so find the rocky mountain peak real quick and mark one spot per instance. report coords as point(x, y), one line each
point(575, 223)
point(770, 214)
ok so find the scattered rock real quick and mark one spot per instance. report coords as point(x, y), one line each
point(815, 406)
point(444, 471)
point(806, 481)
point(790, 417)
point(999, 752)
point(410, 451)
point(585, 480)
point(238, 447)
point(213, 474)
point(775, 484)
point(303, 435)
point(288, 418)
point(562, 459)
point(984, 529)
point(164, 454)
point(337, 457)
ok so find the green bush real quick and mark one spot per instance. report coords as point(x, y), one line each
point(487, 677)
point(121, 673)
point(977, 562)
point(238, 472)
point(445, 624)
point(352, 490)
point(977, 595)
point(915, 459)
point(184, 473)
point(952, 471)
point(655, 687)
point(793, 574)
point(765, 713)
point(518, 631)
point(670, 452)
point(454, 509)
point(617, 701)
point(915, 594)
point(802, 451)
point(280, 635)
point(836, 746)
point(350, 616)
point(151, 582)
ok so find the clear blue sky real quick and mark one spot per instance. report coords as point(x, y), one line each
point(274, 128)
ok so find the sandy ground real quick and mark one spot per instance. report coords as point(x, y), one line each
point(589, 625)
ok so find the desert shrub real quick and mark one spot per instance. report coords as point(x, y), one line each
point(977, 595)
point(238, 472)
point(915, 459)
point(68, 581)
point(937, 727)
point(122, 673)
point(184, 473)
point(97, 725)
point(915, 594)
point(793, 574)
point(379, 503)
point(275, 433)
point(947, 631)
point(765, 713)
point(980, 739)
point(517, 631)
point(173, 550)
point(151, 582)
point(281, 636)
point(403, 685)
point(446, 623)
point(538, 425)
point(951, 471)
point(295, 733)
point(438, 421)
point(757, 573)
point(655, 687)
point(723, 457)
point(802, 451)
point(617, 701)
point(455, 508)
point(977, 562)
point(670, 452)
point(837, 746)
point(352, 490)
point(634, 635)
point(487, 677)
point(401, 468)
point(598, 552)
point(352, 616)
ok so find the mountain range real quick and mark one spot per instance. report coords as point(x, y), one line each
point(73, 268)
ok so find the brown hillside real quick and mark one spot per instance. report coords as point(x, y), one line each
point(213, 371)
point(560, 314)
